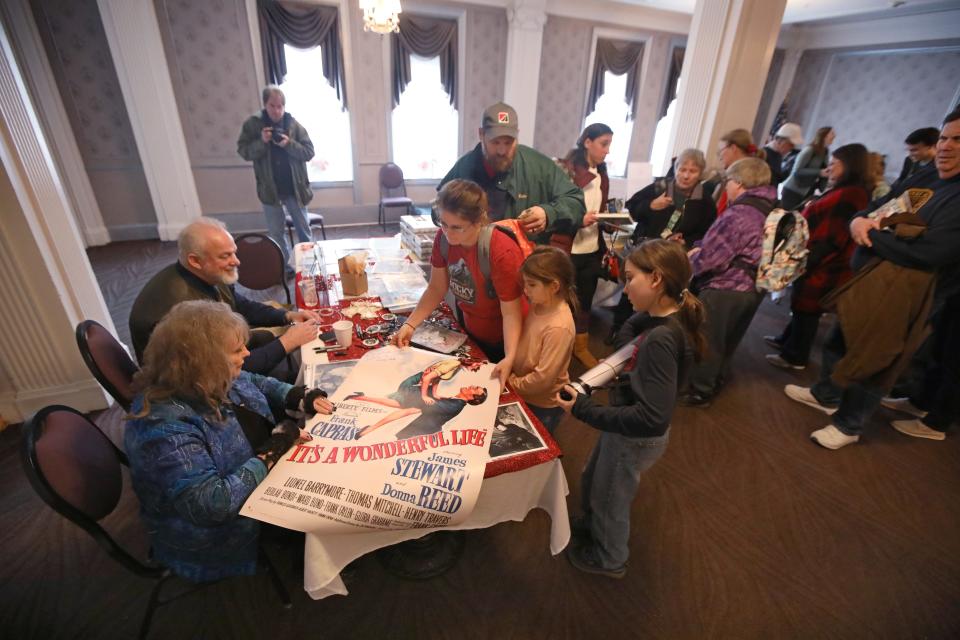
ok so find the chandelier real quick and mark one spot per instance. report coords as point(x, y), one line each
point(381, 16)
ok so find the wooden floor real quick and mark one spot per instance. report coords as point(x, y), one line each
point(744, 529)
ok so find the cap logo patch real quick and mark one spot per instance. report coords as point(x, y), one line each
point(503, 117)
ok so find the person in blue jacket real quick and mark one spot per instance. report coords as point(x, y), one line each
point(201, 435)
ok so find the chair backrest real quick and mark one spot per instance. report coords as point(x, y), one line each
point(391, 181)
point(75, 469)
point(261, 262)
point(107, 360)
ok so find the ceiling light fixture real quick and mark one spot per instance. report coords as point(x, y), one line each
point(381, 16)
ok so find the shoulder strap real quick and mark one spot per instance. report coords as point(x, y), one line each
point(483, 257)
point(763, 205)
point(444, 248)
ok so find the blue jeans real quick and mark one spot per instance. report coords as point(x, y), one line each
point(608, 487)
point(549, 416)
point(277, 229)
point(857, 402)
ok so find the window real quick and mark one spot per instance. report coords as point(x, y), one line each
point(613, 111)
point(313, 102)
point(425, 124)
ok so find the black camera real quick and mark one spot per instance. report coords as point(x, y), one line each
point(278, 133)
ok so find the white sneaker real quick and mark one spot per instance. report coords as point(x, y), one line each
point(903, 405)
point(917, 429)
point(803, 396)
point(832, 438)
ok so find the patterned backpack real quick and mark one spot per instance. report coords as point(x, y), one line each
point(784, 256)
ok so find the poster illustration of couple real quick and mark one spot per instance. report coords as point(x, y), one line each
point(406, 448)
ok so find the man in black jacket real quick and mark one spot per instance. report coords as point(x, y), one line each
point(921, 150)
point(936, 250)
point(207, 270)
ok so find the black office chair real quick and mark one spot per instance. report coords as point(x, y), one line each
point(107, 360)
point(76, 470)
point(261, 263)
point(313, 220)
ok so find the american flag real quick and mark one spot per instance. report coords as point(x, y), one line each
point(780, 119)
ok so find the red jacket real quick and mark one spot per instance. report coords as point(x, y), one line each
point(830, 245)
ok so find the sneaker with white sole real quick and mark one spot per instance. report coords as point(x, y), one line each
point(903, 405)
point(778, 361)
point(804, 396)
point(917, 429)
point(584, 558)
point(832, 438)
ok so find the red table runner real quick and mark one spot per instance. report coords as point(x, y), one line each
point(330, 314)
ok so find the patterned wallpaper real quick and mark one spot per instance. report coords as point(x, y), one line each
point(803, 94)
point(370, 106)
point(564, 75)
point(485, 66)
point(879, 103)
point(79, 55)
point(211, 65)
point(77, 47)
point(776, 64)
point(563, 84)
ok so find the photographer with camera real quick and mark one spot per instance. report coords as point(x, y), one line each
point(279, 148)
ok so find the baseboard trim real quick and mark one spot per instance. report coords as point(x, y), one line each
point(83, 396)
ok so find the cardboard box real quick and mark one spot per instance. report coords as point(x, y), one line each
point(354, 284)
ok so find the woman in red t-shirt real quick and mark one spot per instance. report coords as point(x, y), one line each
point(493, 323)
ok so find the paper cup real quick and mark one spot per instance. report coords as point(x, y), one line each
point(344, 331)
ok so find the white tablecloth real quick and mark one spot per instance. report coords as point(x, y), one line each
point(502, 498)
point(506, 497)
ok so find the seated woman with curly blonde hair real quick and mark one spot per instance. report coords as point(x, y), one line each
point(191, 435)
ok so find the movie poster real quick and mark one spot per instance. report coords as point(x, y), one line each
point(406, 448)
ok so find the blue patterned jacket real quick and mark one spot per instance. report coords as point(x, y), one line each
point(192, 475)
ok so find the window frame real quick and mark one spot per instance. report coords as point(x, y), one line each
point(431, 11)
point(346, 47)
point(626, 36)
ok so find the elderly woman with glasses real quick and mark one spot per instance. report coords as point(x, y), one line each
point(725, 270)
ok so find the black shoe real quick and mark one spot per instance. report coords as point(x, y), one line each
point(584, 557)
point(774, 341)
point(695, 400)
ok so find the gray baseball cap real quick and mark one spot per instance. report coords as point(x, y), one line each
point(499, 120)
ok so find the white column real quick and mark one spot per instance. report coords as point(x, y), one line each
point(524, 46)
point(27, 43)
point(791, 60)
point(47, 285)
point(725, 66)
point(136, 46)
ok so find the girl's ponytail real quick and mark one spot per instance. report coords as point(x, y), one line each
point(692, 315)
point(668, 258)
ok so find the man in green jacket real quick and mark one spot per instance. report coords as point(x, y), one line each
point(520, 182)
point(279, 148)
